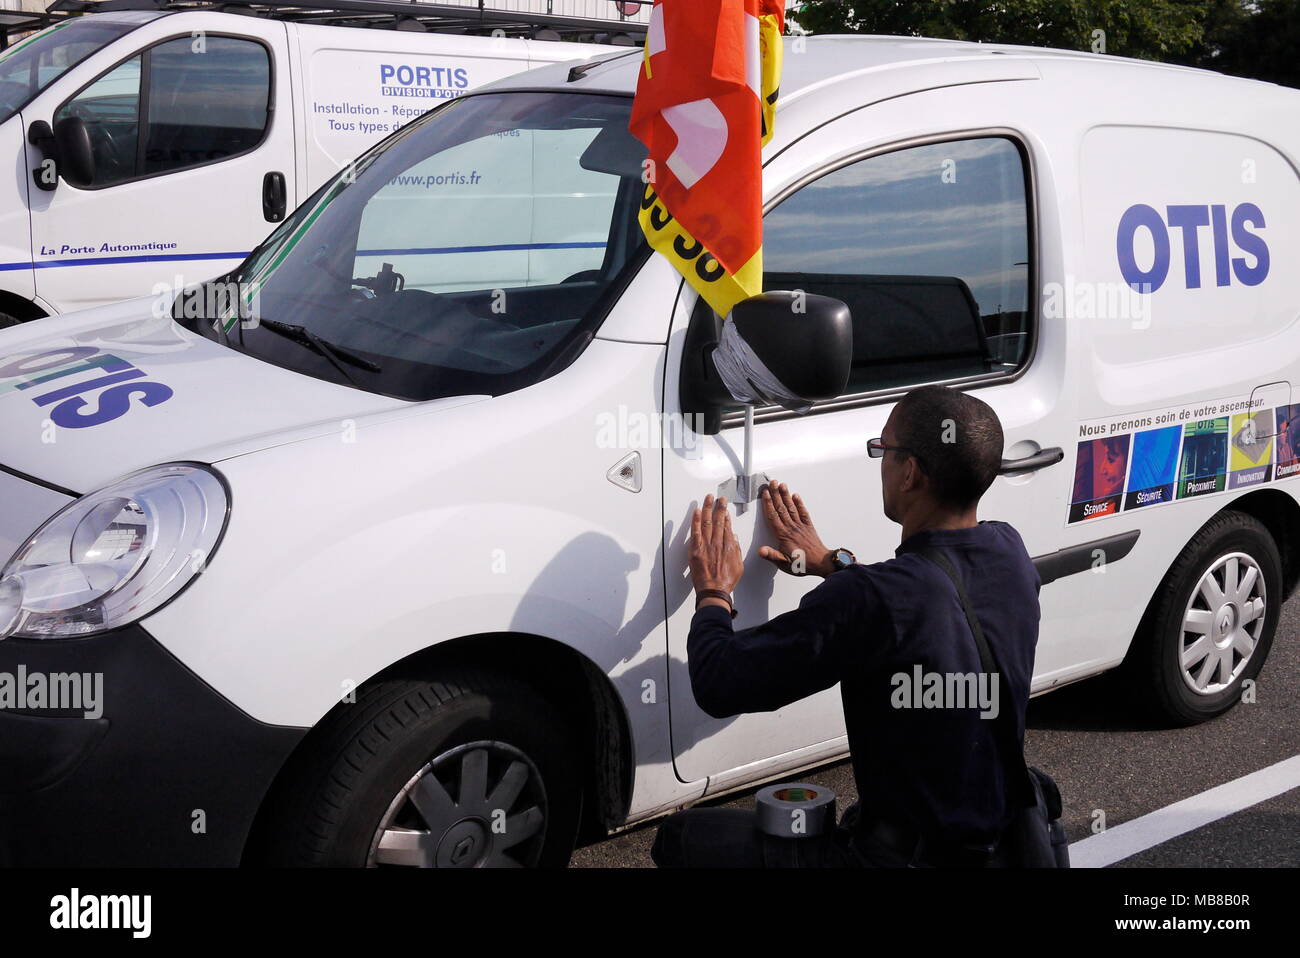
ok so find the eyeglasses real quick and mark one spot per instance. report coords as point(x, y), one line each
point(876, 449)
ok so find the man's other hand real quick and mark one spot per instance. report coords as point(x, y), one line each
point(801, 550)
point(714, 550)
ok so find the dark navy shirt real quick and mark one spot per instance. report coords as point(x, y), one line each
point(935, 768)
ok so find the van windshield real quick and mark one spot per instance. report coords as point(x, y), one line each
point(30, 65)
point(473, 253)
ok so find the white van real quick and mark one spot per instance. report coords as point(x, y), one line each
point(392, 570)
point(243, 117)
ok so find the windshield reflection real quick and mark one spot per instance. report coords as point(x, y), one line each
point(473, 252)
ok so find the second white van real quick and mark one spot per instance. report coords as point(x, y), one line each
point(158, 147)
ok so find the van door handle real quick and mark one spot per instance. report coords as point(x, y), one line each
point(1039, 460)
point(274, 196)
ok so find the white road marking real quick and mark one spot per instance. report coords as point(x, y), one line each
point(1127, 839)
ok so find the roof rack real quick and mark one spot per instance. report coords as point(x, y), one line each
point(25, 21)
point(414, 15)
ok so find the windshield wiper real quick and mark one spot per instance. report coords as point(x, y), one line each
point(337, 355)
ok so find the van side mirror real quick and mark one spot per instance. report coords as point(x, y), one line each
point(65, 152)
point(76, 156)
point(804, 342)
point(45, 174)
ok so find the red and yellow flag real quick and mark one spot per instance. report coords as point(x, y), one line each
point(704, 107)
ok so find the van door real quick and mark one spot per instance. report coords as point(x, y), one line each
point(927, 234)
point(192, 137)
point(16, 274)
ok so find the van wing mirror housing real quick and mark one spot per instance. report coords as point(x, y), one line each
point(76, 156)
point(783, 348)
point(64, 151)
point(803, 340)
point(45, 174)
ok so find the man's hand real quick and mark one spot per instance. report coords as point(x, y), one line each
point(714, 550)
point(801, 549)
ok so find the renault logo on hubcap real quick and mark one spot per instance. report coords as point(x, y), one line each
point(462, 851)
point(464, 844)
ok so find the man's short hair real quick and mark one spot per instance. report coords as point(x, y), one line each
point(956, 437)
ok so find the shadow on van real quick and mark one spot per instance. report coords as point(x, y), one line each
point(603, 567)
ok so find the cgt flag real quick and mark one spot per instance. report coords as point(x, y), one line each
point(705, 100)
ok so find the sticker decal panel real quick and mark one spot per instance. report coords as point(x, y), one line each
point(1250, 454)
point(1288, 441)
point(1155, 466)
point(1152, 458)
point(1099, 468)
point(1204, 463)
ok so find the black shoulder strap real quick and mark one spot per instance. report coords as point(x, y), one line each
point(988, 662)
point(940, 558)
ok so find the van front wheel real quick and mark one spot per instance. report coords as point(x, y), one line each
point(1210, 625)
point(470, 770)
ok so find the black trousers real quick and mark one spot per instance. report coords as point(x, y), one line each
point(731, 838)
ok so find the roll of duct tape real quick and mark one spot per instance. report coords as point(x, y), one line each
point(795, 810)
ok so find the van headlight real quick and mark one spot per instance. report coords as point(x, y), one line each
point(116, 555)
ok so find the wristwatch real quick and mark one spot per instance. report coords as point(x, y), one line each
point(841, 559)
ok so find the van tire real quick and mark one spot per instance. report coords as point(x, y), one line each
point(367, 755)
point(1157, 675)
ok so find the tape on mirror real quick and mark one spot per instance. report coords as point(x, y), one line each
point(746, 376)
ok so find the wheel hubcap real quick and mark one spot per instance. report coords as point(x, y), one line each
point(496, 820)
point(1223, 623)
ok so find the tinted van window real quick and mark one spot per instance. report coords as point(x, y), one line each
point(928, 246)
point(204, 99)
point(205, 104)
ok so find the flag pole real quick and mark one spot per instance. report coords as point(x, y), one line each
point(749, 452)
point(745, 486)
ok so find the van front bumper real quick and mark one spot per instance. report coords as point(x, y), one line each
point(168, 772)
